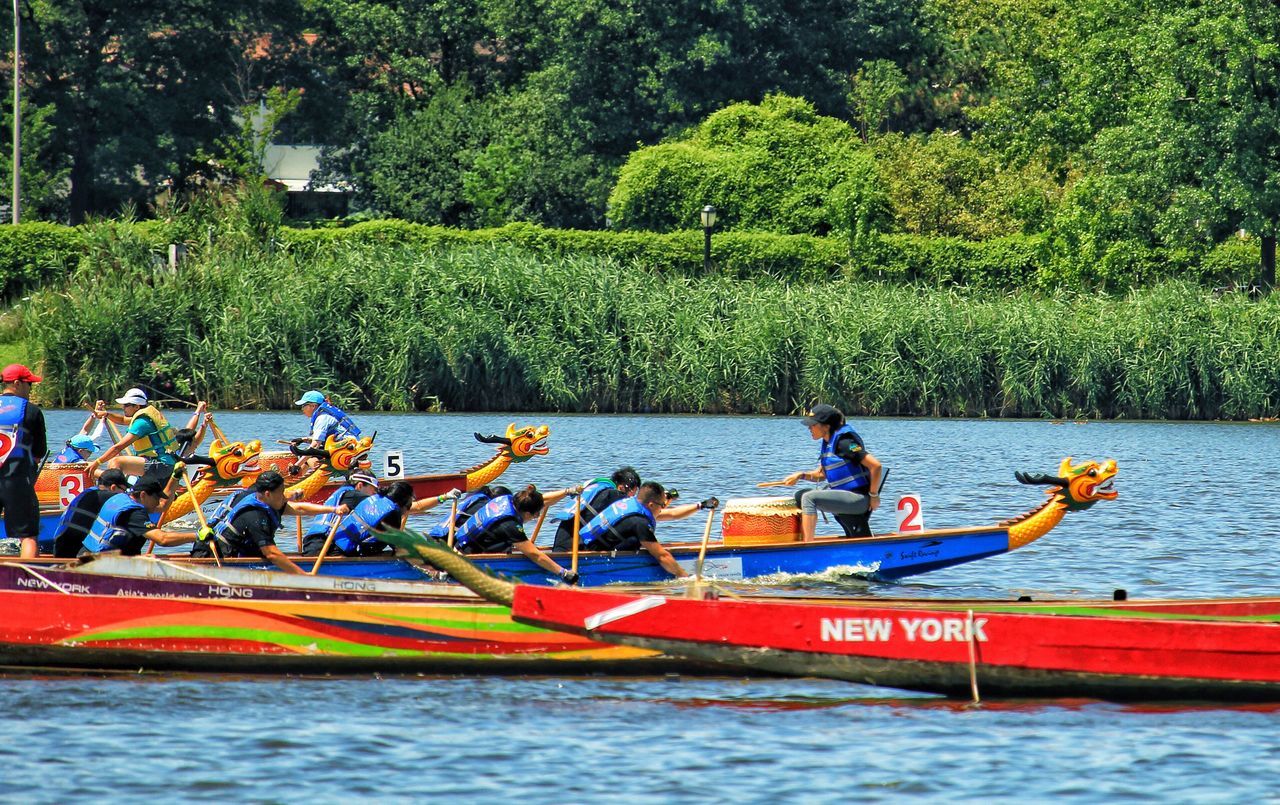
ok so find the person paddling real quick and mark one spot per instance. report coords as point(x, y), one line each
point(250, 528)
point(69, 535)
point(630, 525)
point(499, 528)
point(360, 486)
point(851, 474)
point(124, 521)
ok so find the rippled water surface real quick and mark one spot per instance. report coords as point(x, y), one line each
point(1197, 516)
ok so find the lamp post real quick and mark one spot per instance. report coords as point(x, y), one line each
point(17, 115)
point(708, 222)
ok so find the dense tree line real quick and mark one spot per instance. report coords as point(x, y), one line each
point(1119, 130)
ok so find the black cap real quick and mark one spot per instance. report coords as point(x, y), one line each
point(268, 481)
point(153, 486)
point(112, 478)
point(823, 414)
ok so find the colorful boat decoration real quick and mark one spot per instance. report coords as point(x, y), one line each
point(1195, 650)
point(63, 617)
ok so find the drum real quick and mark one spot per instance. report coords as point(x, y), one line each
point(760, 521)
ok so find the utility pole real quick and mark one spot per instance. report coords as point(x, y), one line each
point(17, 116)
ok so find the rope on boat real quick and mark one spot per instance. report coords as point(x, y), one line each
point(973, 662)
point(41, 577)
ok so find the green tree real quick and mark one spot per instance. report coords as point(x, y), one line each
point(874, 90)
point(137, 88)
point(43, 170)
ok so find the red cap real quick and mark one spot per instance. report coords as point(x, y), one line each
point(16, 371)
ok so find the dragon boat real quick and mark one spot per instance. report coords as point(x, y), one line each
point(237, 465)
point(1217, 650)
point(760, 538)
point(137, 613)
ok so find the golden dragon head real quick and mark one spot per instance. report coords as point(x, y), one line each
point(520, 444)
point(234, 462)
point(1078, 486)
point(348, 454)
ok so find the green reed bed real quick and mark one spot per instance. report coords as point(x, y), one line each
point(484, 328)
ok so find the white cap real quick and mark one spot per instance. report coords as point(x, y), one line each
point(134, 396)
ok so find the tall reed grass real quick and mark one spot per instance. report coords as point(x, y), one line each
point(487, 328)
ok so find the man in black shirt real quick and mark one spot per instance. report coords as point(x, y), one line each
point(597, 496)
point(83, 510)
point(251, 526)
point(124, 521)
point(629, 526)
point(24, 448)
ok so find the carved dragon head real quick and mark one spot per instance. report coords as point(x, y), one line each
point(235, 462)
point(1077, 486)
point(520, 444)
point(348, 454)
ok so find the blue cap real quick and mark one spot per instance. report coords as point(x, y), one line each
point(83, 442)
point(312, 396)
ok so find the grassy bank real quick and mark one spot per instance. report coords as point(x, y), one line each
point(483, 328)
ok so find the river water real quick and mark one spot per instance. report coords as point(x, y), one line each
point(1196, 516)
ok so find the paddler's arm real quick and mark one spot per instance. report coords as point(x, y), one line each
point(101, 412)
point(535, 555)
point(112, 451)
point(552, 498)
point(281, 561)
point(423, 504)
point(664, 557)
point(685, 509)
point(298, 508)
point(170, 538)
point(876, 469)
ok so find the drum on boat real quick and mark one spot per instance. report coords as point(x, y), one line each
point(760, 521)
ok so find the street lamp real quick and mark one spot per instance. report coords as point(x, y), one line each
point(708, 222)
point(17, 115)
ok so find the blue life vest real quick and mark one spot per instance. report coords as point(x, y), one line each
point(224, 507)
point(69, 455)
point(356, 527)
point(587, 495)
point(842, 474)
point(80, 514)
point(323, 523)
point(228, 533)
point(607, 519)
point(15, 442)
point(345, 427)
point(104, 534)
point(499, 509)
point(466, 507)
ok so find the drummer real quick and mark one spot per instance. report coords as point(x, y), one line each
point(851, 475)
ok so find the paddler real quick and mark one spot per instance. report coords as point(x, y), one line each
point(600, 494)
point(124, 521)
point(499, 528)
point(150, 435)
point(359, 487)
point(630, 524)
point(80, 447)
point(76, 521)
point(358, 534)
point(250, 528)
point(851, 475)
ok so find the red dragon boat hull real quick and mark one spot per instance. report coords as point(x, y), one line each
point(1193, 650)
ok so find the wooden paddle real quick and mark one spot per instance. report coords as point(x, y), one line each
point(702, 551)
point(217, 431)
point(328, 541)
point(764, 484)
point(453, 521)
point(204, 523)
point(577, 526)
point(542, 515)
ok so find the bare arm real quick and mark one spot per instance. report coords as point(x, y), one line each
point(677, 512)
point(170, 538)
point(664, 558)
point(300, 509)
point(539, 558)
point(115, 449)
point(281, 561)
point(876, 469)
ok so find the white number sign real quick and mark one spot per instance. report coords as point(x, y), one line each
point(910, 513)
point(69, 486)
point(393, 465)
